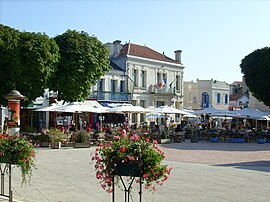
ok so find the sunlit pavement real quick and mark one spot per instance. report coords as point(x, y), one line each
point(202, 171)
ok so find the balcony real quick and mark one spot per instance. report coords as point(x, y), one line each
point(155, 89)
point(113, 96)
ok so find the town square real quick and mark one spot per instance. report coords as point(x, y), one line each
point(134, 101)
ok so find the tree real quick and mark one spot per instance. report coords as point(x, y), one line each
point(256, 70)
point(84, 59)
point(27, 61)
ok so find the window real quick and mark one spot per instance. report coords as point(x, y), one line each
point(134, 77)
point(218, 98)
point(205, 100)
point(164, 79)
point(177, 82)
point(158, 78)
point(143, 78)
point(122, 86)
point(160, 103)
point(100, 85)
point(226, 98)
point(142, 115)
point(113, 85)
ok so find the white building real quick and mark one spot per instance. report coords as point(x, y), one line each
point(144, 76)
point(206, 93)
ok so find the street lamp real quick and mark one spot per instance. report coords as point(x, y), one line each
point(101, 119)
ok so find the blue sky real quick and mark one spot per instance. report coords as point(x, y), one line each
point(213, 35)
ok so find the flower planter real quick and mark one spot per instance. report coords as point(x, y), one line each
point(81, 145)
point(44, 144)
point(127, 169)
point(12, 159)
point(214, 139)
point(237, 140)
point(268, 140)
point(261, 141)
point(165, 141)
point(56, 145)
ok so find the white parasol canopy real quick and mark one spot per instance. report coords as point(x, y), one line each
point(52, 107)
point(128, 108)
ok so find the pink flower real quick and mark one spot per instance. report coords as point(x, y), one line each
point(147, 139)
point(131, 158)
point(146, 175)
point(135, 137)
point(27, 159)
point(116, 137)
point(155, 142)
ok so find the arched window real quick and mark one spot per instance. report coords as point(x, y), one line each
point(226, 98)
point(205, 100)
point(218, 98)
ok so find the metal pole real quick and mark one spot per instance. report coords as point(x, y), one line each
point(10, 191)
point(113, 188)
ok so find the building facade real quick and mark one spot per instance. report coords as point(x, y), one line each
point(206, 93)
point(148, 78)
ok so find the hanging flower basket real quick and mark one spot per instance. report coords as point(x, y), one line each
point(127, 169)
point(18, 151)
point(133, 156)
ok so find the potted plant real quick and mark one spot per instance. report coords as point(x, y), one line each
point(165, 137)
point(260, 137)
point(213, 137)
point(82, 140)
point(124, 153)
point(55, 136)
point(18, 151)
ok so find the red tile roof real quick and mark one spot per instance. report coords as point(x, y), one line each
point(145, 52)
point(236, 97)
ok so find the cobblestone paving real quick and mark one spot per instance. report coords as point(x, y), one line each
point(204, 171)
point(250, 154)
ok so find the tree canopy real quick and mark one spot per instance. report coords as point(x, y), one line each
point(256, 70)
point(27, 61)
point(84, 59)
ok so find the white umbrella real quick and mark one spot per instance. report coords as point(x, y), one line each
point(209, 110)
point(52, 107)
point(251, 113)
point(166, 110)
point(128, 108)
point(153, 115)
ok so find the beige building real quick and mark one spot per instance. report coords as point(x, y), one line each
point(145, 76)
point(206, 93)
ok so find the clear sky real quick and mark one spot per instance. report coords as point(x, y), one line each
point(213, 35)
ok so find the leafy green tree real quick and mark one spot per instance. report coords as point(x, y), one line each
point(256, 70)
point(27, 61)
point(84, 59)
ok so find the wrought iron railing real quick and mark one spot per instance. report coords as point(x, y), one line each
point(107, 95)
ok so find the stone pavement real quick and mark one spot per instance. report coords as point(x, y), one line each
point(202, 171)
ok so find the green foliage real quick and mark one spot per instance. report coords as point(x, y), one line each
point(256, 70)
point(23, 54)
point(82, 137)
point(17, 150)
point(84, 59)
point(55, 135)
point(30, 129)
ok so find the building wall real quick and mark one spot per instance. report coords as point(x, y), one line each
point(194, 94)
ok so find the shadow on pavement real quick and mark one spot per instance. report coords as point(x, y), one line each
point(252, 165)
point(220, 146)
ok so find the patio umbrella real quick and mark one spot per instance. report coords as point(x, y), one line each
point(166, 110)
point(52, 107)
point(153, 115)
point(209, 110)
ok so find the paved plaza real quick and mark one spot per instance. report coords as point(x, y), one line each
point(202, 171)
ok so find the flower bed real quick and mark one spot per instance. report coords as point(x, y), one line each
point(18, 151)
point(136, 150)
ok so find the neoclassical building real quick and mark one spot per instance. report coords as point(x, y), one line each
point(206, 93)
point(141, 76)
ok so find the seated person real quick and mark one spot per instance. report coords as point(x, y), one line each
point(178, 128)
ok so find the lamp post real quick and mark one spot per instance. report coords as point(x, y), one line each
point(101, 119)
point(13, 124)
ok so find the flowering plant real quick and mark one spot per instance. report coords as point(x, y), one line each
point(134, 149)
point(17, 150)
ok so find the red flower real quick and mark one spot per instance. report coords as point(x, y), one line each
point(147, 139)
point(155, 142)
point(123, 149)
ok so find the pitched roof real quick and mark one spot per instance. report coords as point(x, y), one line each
point(236, 97)
point(145, 52)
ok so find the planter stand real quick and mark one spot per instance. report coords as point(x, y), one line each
point(126, 171)
point(6, 169)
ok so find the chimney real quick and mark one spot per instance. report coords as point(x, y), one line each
point(178, 55)
point(117, 47)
